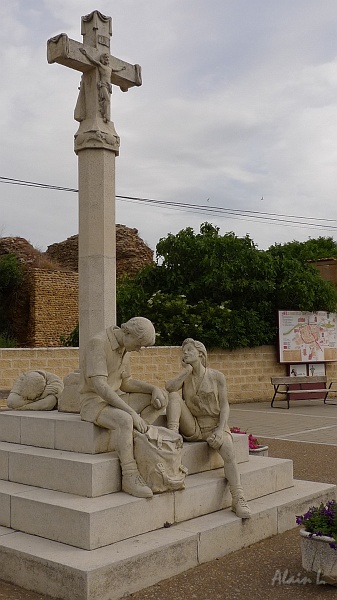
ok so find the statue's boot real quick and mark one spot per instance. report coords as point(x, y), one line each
point(240, 506)
point(134, 484)
point(239, 503)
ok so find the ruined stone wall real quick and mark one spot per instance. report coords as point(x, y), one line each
point(131, 252)
point(53, 298)
point(46, 305)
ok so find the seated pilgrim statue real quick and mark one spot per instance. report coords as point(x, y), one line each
point(35, 390)
point(112, 399)
point(201, 413)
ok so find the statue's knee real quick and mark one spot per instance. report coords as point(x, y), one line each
point(124, 421)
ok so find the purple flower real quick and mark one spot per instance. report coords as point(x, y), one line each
point(321, 521)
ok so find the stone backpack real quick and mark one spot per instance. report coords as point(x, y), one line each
point(158, 455)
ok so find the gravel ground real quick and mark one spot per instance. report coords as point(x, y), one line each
point(256, 571)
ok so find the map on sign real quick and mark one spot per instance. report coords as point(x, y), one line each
point(307, 337)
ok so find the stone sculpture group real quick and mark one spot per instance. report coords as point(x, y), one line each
point(195, 403)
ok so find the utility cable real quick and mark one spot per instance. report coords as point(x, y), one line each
point(273, 218)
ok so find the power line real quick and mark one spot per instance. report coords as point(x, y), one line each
point(236, 213)
point(34, 184)
point(271, 218)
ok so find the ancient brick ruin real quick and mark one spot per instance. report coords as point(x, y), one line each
point(131, 252)
point(46, 305)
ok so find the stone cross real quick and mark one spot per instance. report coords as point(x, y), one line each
point(96, 144)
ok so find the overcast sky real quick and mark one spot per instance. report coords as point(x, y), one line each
point(238, 110)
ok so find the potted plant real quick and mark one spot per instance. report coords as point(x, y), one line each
point(254, 446)
point(319, 541)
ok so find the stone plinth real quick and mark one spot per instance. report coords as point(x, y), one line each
point(67, 530)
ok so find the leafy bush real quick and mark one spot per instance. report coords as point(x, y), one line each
point(223, 290)
point(7, 342)
point(11, 277)
point(11, 273)
point(71, 340)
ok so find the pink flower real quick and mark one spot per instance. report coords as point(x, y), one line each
point(252, 441)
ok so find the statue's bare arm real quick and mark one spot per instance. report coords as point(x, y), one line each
point(158, 397)
point(90, 58)
point(46, 403)
point(175, 384)
point(103, 389)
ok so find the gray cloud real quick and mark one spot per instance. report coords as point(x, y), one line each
point(239, 102)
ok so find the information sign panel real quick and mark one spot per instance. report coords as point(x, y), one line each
point(307, 337)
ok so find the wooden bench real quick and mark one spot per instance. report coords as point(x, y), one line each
point(302, 388)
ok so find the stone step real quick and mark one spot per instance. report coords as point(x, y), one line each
point(93, 475)
point(63, 431)
point(89, 475)
point(91, 523)
point(120, 569)
point(54, 430)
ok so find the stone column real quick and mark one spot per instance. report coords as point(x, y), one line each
point(97, 242)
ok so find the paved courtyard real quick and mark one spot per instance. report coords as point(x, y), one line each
point(305, 421)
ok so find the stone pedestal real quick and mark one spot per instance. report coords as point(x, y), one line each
point(67, 529)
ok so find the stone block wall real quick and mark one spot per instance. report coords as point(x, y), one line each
point(53, 306)
point(14, 361)
point(248, 371)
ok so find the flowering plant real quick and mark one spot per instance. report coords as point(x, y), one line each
point(321, 520)
point(252, 441)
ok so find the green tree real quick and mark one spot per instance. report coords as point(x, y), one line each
point(11, 277)
point(312, 249)
point(223, 290)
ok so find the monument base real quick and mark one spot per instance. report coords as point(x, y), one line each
point(68, 531)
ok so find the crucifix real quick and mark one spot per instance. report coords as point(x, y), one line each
point(96, 144)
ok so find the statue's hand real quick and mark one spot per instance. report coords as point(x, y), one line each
point(216, 439)
point(188, 368)
point(159, 398)
point(139, 423)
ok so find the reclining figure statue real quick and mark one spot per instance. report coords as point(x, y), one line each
point(35, 390)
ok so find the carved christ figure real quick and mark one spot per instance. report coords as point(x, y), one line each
point(104, 84)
